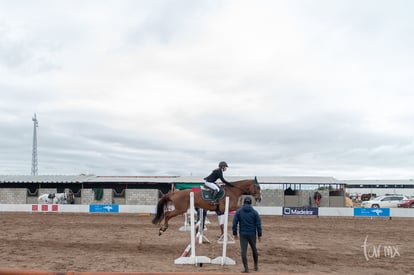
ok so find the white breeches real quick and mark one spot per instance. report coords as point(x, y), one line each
point(212, 185)
point(221, 219)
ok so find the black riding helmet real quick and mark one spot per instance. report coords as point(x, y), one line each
point(223, 164)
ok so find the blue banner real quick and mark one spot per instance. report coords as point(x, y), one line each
point(371, 212)
point(304, 211)
point(103, 208)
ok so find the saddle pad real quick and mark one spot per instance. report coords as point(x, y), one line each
point(206, 194)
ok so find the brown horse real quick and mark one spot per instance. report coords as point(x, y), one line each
point(180, 200)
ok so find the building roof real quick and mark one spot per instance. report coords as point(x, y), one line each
point(380, 182)
point(44, 178)
point(158, 179)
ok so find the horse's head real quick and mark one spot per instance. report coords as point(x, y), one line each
point(257, 192)
point(250, 187)
point(70, 197)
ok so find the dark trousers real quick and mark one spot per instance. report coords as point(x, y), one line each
point(204, 215)
point(251, 240)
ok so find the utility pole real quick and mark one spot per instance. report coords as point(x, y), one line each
point(34, 150)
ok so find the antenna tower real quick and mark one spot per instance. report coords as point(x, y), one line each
point(34, 150)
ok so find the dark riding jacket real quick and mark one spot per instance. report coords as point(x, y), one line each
point(215, 175)
point(249, 220)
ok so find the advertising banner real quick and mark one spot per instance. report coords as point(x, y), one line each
point(304, 211)
point(371, 212)
point(103, 208)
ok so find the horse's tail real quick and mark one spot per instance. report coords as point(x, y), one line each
point(160, 209)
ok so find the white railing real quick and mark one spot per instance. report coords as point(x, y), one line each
point(150, 209)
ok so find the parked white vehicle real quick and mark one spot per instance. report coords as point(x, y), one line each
point(386, 201)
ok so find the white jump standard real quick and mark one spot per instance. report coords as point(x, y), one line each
point(224, 259)
point(192, 259)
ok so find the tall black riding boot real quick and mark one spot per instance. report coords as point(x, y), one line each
point(214, 194)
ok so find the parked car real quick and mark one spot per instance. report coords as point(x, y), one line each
point(367, 197)
point(407, 203)
point(385, 201)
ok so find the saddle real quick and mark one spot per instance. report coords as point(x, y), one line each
point(206, 193)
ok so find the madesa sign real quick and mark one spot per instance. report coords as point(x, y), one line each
point(45, 208)
point(307, 211)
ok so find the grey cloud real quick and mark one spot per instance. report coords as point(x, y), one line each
point(325, 140)
point(26, 54)
point(170, 21)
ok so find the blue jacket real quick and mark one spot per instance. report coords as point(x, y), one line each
point(249, 220)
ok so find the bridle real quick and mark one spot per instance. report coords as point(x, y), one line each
point(255, 193)
point(257, 187)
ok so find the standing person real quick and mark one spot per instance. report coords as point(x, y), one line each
point(250, 224)
point(210, 180)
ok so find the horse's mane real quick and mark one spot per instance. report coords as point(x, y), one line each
point(246, 180)
point(238, 181)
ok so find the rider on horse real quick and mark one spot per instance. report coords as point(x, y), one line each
point(210, 181)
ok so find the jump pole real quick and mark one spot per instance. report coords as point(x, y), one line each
point(186, 226)
point(188, 247)
point(193, 259)
point(201, 225)
point(224, 259)
point(199, 235)
point(230, 239)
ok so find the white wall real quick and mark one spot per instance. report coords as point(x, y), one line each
point(150, 209)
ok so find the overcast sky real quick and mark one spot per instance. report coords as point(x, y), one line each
point(275, 88)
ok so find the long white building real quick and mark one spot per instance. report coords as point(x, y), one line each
point(380, 187)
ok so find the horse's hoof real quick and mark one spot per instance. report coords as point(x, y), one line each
point(159, 233)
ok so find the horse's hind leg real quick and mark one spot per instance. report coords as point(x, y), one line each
point(164, 226)
point(167, 217)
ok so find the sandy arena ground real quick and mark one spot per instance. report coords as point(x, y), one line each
point(128, 242)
